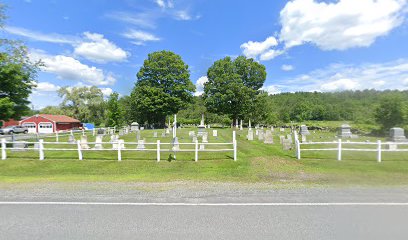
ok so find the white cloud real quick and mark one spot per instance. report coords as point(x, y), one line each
point(106, 91)
point(200, 85)
point(263, 49)
point(140, 37)
point(145, 19)
point(71, 69)
point(43, 37)
point(287, 68)
point(340, 25)
point(98, 49)
point(337, 77)
point(165, 4)
point(46, 87)
point(271, 89)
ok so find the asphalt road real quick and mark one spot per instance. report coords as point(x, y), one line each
point(202, 222)
point(204, 211)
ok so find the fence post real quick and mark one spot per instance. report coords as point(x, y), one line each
point(297, 149)
point(72, 133)
point(83, 132)
point(56, 136)
point(379, 149)
point(196, 151)
point(41, 148)
point(234, 144)
point(93, 132)
point(339, 150)
point(119, 150)
point(79, 149)
point(3, 149)
point(158, 150)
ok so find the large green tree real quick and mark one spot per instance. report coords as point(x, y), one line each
point(17, 77)
point(83, 103)
point(115, 116)
point(392, 112)
point(233, 85)
point(163, 88)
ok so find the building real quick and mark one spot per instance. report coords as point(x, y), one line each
point(47, 123)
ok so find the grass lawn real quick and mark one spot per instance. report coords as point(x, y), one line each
point(257, 162)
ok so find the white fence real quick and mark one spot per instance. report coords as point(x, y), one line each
point(120, 147)
point(342, 146)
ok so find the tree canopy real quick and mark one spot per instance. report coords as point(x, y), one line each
point(233, 85)
point(163, 87)
point(17, 77)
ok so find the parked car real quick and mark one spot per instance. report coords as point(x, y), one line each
point(13, 129)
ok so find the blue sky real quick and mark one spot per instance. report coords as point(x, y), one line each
point(306, 45)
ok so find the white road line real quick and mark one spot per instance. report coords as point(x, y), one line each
point(213, 204)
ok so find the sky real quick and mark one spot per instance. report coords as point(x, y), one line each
point(305, 45)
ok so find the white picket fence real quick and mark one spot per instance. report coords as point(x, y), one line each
point(342, 146)
point(159, 149)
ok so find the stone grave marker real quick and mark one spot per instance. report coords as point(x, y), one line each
point(256, 132)
point(19, 144)
point(191, 133)
point(287, 144)
point(250, 135)
point(194, 139)
point(261, 135)
point(98, 142)
point(140, 144)
point(138, 135)
point(304, 130)
point(163, 134)
point(71, 139)
point(175, 144)
point(84, 142)
point(205, 138)
point(397, 135)
point(155, 134)
point(215, 133)
point(345, 131)
point(268, 137)
point(282, 129)
point(289, 137)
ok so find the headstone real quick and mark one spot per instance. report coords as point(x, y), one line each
point(345, 131)
point(201, 127)
point(155, 134)
point(272, 129)
point(392, 146)
point(71, 138)
point(397, 135)
point(191, 133)
point(261, 135)
point(241, 127)
point(142, 128)
point(268, 137)
point(176, 145)
point(289, 137)
point(205, 138)
point(167, 131)
point(303, 138)
point(287, 144)
point(140, 145)
point(138, 135)
point(134, 126)
point(121, 133)
point(19, 144)
point(84, 142)
point(256, 132)
point(304, 130)
point(282, 129)
point(163, 134)
point(98, 142)
point(194, 139)
point(202, 146)
point(250, 135)
point(101, 131)
point(281, 138)
point(215, 133)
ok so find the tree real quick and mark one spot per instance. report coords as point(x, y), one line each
point(83, 103)
point(232, 86)
point(54, 110)
point(17, 77)
point(114, 111)
point(392, 112)
point(163, 88)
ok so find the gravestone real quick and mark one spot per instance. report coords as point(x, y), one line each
point(140, 145)
point(201, 127)
point(191, 133)
point(19, 144)
point(194, 139)
point(205, 138)
point(98, 142)
point(71, 139)
point(282, 129)
point(121, 133)
point(84, 142)
point(215, 133)
point(155, 134)
point(250, 135)
point(202, 146)
point(134, 126)
point(241, 127)
point(304, 130)
point(175, 144)
point(289, 137)
point(138, 135)
point(272, 129)
point(268, 137)
point(397, 135)
point(142, 128)
point(261, 135)
point(345, 131)
point(304, 138)
point(167, 131)
point(101, 131)
point(287, 144)
point(281, 138)
point(163, 134)
point(256, 132)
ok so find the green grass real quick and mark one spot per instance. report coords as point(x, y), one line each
point(257, 162)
